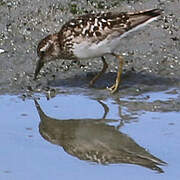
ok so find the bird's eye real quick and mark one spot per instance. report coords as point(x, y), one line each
point(42, 52)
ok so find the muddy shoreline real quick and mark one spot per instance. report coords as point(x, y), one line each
point(152, 55)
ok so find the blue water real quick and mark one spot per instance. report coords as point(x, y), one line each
point(26, 155)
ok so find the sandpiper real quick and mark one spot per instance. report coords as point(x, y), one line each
point(93, 35)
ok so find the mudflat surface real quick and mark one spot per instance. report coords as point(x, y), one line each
point(151, 55)
point(71, 130)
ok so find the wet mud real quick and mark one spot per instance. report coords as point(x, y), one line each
point(151, 55)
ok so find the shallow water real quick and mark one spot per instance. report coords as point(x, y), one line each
point(77, 137)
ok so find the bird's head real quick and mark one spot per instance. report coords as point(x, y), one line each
point(47, 50)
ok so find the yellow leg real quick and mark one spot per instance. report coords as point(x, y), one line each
point(114, 87)
point(105, 66)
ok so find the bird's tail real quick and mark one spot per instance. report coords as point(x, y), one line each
point(141, 18)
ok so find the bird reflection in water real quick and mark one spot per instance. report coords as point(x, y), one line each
point(95, 141)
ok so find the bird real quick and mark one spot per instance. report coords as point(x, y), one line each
point(91, 36)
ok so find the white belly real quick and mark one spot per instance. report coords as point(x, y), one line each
point(87, 50)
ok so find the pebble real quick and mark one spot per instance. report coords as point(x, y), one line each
point(2, 51)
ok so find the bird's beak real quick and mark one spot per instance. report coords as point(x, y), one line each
point(39, 65)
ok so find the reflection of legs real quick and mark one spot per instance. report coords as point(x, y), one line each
point(114, 87)
point(105, 66)
point(106, 109)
